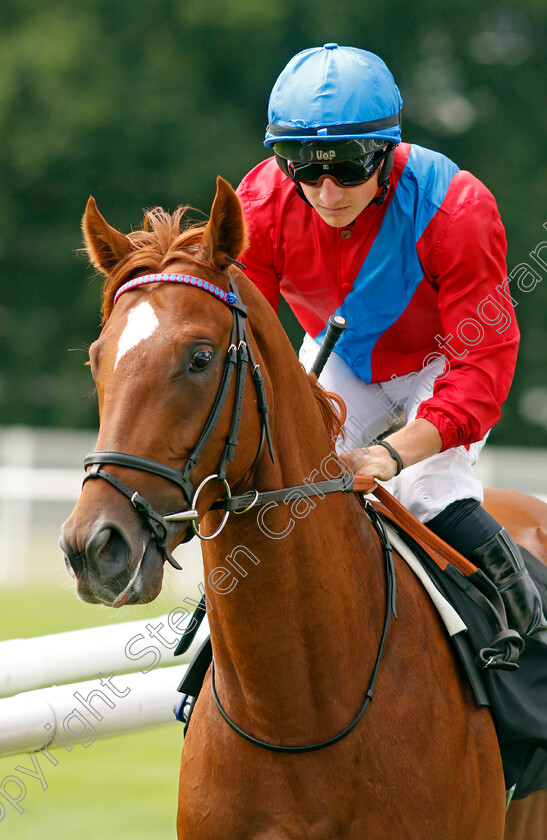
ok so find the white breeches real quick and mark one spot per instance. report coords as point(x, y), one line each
point(426, 488)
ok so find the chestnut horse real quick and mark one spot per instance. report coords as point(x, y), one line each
point(296, 591)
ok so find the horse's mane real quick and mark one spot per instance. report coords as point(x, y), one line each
point(166, 237)
point(331, 407)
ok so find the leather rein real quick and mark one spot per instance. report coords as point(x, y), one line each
point(390, 608)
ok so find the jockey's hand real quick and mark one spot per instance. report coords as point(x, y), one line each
point(371, 460)
point(417, 440)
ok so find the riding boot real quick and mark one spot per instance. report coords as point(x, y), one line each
point(501, 560)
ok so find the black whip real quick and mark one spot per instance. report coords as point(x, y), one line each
point(335, 328)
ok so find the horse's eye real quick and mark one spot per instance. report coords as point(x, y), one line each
point(200, 360)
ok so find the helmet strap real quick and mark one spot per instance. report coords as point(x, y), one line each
point(380, 198)
point(385, 172)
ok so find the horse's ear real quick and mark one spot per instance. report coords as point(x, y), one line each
point(225, 235)
point(105, 245)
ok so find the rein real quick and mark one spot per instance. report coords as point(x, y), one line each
point(390, 608)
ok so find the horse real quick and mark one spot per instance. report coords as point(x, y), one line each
point(284, 741)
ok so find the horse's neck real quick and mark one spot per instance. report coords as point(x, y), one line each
point(295, 596)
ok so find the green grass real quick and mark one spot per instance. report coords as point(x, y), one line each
point(122, 788)
point(36, 612)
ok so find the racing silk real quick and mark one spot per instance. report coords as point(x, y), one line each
point(419, 277)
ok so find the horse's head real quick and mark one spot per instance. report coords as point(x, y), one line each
point(169, 366)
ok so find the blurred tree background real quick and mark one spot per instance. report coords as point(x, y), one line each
point(143, 103)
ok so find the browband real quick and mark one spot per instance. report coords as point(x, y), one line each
point(229, 298)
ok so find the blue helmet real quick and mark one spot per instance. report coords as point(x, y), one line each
point(334, 92)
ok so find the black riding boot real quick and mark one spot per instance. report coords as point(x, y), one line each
point(500, 559)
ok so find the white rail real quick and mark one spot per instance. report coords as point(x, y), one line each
point(62, 716)
point(30, 484)
point(113, 703)
point(81, 654)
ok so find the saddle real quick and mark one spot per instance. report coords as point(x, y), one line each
point(506, 671)
point(441, 561)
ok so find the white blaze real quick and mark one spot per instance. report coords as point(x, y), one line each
point(141, 323)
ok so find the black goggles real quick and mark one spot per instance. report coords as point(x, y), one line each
point(348, 173)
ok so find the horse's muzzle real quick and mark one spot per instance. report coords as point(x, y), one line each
point(108, 568)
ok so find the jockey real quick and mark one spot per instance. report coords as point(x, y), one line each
point(347, 219)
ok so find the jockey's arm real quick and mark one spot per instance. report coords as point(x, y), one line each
point(418, 440)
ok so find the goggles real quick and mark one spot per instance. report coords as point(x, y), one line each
point(348, 173)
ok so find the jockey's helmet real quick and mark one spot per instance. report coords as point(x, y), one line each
point(333, 92)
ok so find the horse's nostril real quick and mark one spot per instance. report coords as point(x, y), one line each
point(108, 547)
point(98, 542)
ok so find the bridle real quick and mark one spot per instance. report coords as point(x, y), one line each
point(239, 356)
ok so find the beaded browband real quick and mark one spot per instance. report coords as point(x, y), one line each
point(229, 298)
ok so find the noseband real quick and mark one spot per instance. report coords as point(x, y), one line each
point(239, 355)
